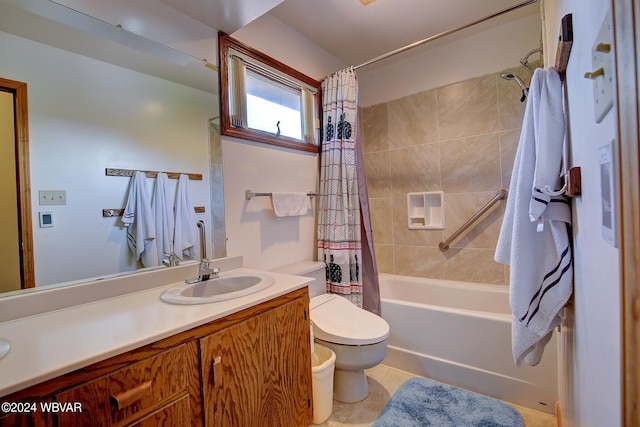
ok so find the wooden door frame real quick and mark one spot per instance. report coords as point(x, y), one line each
point(626, 27)
point(23, 180)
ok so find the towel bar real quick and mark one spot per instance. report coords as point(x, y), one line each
point(248, 194)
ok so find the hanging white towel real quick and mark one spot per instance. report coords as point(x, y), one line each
point(185, 235)
point(535, 233)
point(164, 218)
point(290, 204)
point(138, 218)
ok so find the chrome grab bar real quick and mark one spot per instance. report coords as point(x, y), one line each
point(203, 240)
point(501, 194)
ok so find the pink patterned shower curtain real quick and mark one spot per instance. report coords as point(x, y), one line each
point(342, 223)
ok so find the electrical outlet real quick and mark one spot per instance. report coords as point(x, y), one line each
point(52, 197)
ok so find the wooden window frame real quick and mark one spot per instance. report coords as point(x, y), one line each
point(224, 43)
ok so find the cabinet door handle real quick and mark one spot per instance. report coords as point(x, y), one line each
point(215, 371)
point(127, 397)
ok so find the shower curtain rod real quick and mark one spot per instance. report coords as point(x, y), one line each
point(444, 33)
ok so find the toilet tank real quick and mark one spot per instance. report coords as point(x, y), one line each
point(312, 269)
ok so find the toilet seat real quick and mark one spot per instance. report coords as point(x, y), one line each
point(338, 321)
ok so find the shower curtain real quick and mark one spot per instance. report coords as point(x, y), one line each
point(344, 223)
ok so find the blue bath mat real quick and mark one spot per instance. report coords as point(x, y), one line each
point(424, 402)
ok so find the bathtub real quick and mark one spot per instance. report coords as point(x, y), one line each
point(459, 333)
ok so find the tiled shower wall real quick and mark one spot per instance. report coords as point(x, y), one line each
point(460, 139)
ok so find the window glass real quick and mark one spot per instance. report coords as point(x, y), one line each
point(273, 107)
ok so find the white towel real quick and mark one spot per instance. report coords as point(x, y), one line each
point(138, 218)
point(535, 233)
point(164, 218)
point(290, 204)
point(185, 235)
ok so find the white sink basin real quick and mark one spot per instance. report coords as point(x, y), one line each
point(221, 289)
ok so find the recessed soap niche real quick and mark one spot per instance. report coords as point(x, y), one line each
point(425, 211)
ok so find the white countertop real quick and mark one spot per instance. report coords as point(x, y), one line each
point(46, 345)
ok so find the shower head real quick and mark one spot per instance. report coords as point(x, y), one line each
point(525, 89)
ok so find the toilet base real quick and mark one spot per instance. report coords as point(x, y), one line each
point(350, 386)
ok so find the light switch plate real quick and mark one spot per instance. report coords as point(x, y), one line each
point(52, 197)
point(608, 193)
point(603, 84)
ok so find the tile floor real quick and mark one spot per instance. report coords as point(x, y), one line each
point(383, 382)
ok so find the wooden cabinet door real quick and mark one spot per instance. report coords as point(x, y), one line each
point(231, 363)
point(287, 366)
point(258, 372)
point(36, 418)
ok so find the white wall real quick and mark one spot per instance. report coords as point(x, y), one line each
point(253, 231)
point(591, 335)
point(85, 116)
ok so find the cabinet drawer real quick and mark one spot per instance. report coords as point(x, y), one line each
point(36, 418)
point(130, 392)
point(177, 413)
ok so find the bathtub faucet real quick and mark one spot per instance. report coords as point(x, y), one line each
point(205, 271)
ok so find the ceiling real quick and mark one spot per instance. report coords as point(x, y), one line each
point(175, 32)
point(224, 15)
point(354, 33)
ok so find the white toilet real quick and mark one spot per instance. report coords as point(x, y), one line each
point(357, 337)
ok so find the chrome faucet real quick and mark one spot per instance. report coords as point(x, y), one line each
point(205, 272)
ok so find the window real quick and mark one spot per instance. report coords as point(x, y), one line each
point(266, 101)
point(273, 106)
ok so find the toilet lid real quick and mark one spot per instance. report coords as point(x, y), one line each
point(337, 320)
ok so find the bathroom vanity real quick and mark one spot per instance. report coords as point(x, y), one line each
point(252, 366)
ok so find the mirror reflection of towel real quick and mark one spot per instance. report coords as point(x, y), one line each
point(138, 218)
point(185, 235)
point(164, 217)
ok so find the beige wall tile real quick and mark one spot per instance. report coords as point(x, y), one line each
point(413, 120)
point(468, 108)
point(466, 155)
point(375, 128)
point(473, 265)
point(483, 233)
point(378, 172)
point(510, 109)
point(471, 164)
point(418, 261)
point(382, 220)
point(415, 169)
point(384, 258)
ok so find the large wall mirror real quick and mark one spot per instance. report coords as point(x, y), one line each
point(95, 104)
